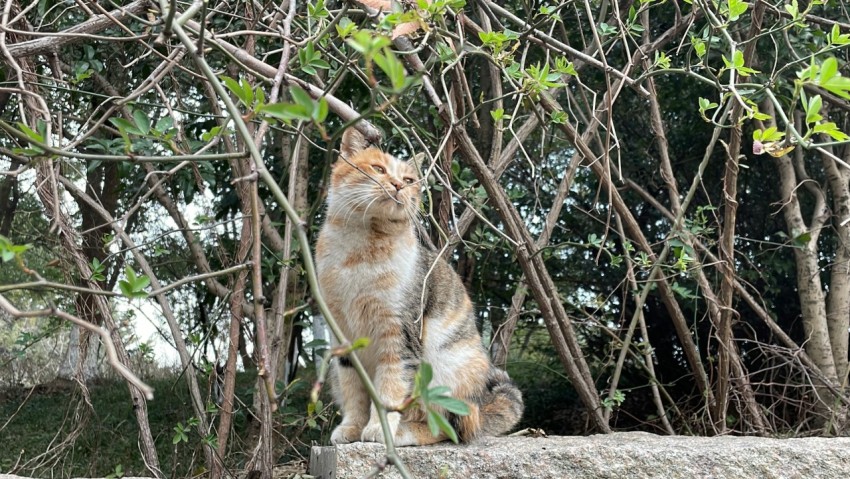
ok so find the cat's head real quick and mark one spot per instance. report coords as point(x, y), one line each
point(367, 183)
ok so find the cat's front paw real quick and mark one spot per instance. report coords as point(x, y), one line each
point(373, 431)
point(345, 433)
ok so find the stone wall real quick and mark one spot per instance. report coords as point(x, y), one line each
point(619, 455)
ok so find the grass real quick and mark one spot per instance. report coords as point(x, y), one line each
point(38, 420)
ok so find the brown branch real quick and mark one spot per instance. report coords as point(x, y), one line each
point(340, 108)
point(634, 231)
point(77, 33)
point(540, 282)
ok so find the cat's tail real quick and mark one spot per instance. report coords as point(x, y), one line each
point(498, 410)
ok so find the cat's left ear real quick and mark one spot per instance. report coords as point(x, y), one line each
point(417, 160)
point(353, 142)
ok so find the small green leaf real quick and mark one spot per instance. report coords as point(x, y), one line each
point(360, 343)
point(125, 126)
point(699, 46)
point(661, 60)
point(31, 133)
point(425, 374)
point(829, 78)
point(301, 97)
point(451, 404)
point(769, 134)
point(164, 124)
point(437, 423)
point(738, 8)
point(813, 110)
point(345, 27)
point(801, 240)
point(143, 123)
point(237, 90)
point(836, 38)
point(285, 111)
point(558, 117)
point(831, 129)
point(322, 112)
point(793, 8)
point(392, 67)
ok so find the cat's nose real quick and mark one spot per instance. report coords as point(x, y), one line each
point(397, 184)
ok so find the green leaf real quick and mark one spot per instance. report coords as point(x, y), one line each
point(813, 109)
point(828, 69)
point(683, 291)
point(437, 423)
point(164, 124)
point(451, 404)
point(241, 89)
point(793, 8)
point(285, 111)
point(322, 111)
point(301, 97)
point(769, 134)
point(425, 374)
point(31, 134)
point(836, 38)
point(132, 286)
point(209, 135)
point(737, 8)
point(143, 123)
point(565, 67)
point(801, 240)
point(360, 343)
point(125, 126)
point(699, 46)
point(438, 391)
point(831, 129)
point(829, 78)
point(235, 88)
point(345, 27)
point(661, 60)
point(607, 30)
point(392, 67)
point(558, 117)
point(131, 275)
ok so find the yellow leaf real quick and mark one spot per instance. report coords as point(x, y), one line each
point(777, 148)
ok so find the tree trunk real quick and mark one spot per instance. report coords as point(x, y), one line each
point(809, 286)
point(73, 364)
point(9, 196)
point(838, 299)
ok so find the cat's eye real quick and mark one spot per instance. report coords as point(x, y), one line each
point(409, 180)
point(380, 169)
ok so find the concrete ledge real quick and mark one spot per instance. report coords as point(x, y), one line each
point(620, 455)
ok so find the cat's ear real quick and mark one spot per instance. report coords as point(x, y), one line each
point(353, 142)
point(417, 160)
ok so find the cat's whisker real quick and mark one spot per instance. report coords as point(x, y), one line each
point(348, 203)
point(367, 209)
point(355, 204)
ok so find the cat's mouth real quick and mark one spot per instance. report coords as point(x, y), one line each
point(394, 198)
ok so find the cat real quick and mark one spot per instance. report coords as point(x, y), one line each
point(380, 282)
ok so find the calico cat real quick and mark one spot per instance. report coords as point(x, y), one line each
point(381, 283)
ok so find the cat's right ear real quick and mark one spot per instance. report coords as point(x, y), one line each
point(353, 142)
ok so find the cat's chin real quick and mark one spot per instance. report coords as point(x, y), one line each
point(391, 217)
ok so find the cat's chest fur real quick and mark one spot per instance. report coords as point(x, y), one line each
point(363, 270)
